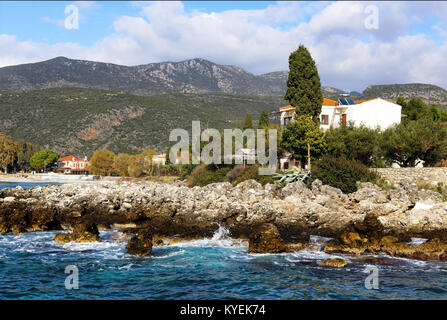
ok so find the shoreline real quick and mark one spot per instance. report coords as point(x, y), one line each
point(368, 221)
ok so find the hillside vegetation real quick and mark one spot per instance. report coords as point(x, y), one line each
point(77, 120)
point(427, 92)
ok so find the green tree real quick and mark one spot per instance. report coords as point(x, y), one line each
point(43, 159)
point(444, 115)
point(102, 163)
point(8, 152)
point(435, 112)
point(416, 109)
point(402, 102)
point(121, 164)
point(264, 121)
point(25, 151)
point(303, 138)
point(358, 143)
point(411, 141)
point(303, 84)
point(248, 124)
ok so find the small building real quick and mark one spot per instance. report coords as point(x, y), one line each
point(371, 113)
point(159, 159)
point(72, 165)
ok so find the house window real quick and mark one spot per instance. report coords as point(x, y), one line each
point(287, 120)
point(324, 119)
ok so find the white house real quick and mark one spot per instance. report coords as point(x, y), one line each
point(371, 113)
point(72, 165)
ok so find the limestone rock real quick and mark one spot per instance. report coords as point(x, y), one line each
point(140, 244)
point(266, 239)
point(82, 232)
point(333, 263)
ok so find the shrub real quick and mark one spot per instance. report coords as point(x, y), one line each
point(181, 170)
point(342, 173)
point(251, 172)
point(344, 141)
point(442, 163)
point(206, 174)
point(235, 173)
point(186, 169)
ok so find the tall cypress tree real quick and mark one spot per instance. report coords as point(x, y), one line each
point(303, 85)
point(248, 122)
point(264, 121)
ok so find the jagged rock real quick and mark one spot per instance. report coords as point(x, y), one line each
point(429, 196)
point(266, 239)
point(388, 240)
point(298, 189)
point(333, 263)
point(82, 232)
point(377, 260)
point(371, 192)
point(140, 244)
point(9, 199)
point(371, 226)
point(353, 239)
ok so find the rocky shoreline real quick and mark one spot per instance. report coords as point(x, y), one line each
point(273, 220)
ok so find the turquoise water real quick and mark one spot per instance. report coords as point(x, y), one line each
point(32, 266)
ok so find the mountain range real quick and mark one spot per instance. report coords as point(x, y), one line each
point(189, 76)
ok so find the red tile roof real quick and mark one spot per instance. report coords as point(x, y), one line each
point(329, 102)
point(70, 158)
point(326, 102)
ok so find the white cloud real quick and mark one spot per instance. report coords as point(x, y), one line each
point(58, 22)
point(348, 55)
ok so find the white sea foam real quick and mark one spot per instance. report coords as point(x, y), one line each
point(315, 239)
point(417, 241)
point(126, 267)
point(309, 255)
point(88, 246)
point(169, 255)
point(221, 238)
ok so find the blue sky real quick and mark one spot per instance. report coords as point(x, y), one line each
point(408, 45)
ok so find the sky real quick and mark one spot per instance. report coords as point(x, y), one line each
point(355, 44)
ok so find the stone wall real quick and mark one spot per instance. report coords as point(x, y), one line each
point(422, 175)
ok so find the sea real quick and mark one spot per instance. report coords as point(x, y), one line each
point(33, 266)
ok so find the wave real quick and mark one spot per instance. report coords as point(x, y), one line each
point(221, 238)
point(306, 255)
point(91, 246)
point(169, 255)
